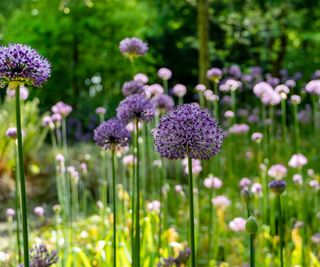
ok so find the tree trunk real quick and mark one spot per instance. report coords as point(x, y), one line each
point(203, 33)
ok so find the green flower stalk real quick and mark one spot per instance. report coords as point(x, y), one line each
point(251, 229)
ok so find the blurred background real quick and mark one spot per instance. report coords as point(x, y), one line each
point(81, 37)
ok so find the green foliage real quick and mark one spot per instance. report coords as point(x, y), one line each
point(33, 137)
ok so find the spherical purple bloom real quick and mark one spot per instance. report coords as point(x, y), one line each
point(39, 211)
point(22, 64)
point(277, 171)
point(200, 88)
point(212, 182)
point(111, 134)
point(133, 47)
point(313, 87)
point(41, 257)
point(295, 99)
point(153, 90)
point(163, 102)
point(244, 182)
point(101, 110)
point(10, 213)
point(11, 132)
point(290, 83)
point(214, 74)
point(256, 189)
point(235, 71)
point(179, 90)
point(257, 137)
point(61, 108)
point(277, 186)
point(297, 179)
point(260, 88)
point(164, 74)
point(239, 128)
point(238, 224)
point(141, 78)
point(135, 107)
point(188, 131)
point(297, 161)
point(132, 88)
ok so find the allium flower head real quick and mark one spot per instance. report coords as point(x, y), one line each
point(282, 88)
point(277, 186)
point(111, 134)
point(214, 74)
point(39, 211)
point(234, 71)
point(277, 171)
point(212, 182)
point(61, 108)
point(135, 107)
point(179, 90)
point(244, 182)
point(10, 212)
point(257, 137)
point(297, 179)
point(101, 110)
point(24, 93)
point(295, 99)
point(238, 224)
point(188, 131)
point(132, 88)
point(290, 83)
point(313, 87)
point(154, 206)
point(141, 78)
point(163, 102)
point(261, 87)
point(133, 47)
point(221, 202)
point(41, 257)
point(256, 189)
point(200, 88)
point(128, 160)
point(164, 74)
point(153, 90)
point(239, 129)
point(11, 132)
point(297, 161)
point(22, 64)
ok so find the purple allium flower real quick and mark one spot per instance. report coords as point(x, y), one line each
point(295, 99)
point(257, 137)
point(313, 87)
point(132, 88)
point(297, 179)
point(188, 131)
point(210, 96)
point(244, 182)
point(277, 186)
point(297, 161)
point(56, 118)
point(41, 257)
point(22, 64)
point(212, 182)
point(238, 224)
point(47, 122)
point(61, 108)
point(214, 74)
point(281, 88)
point(256, 189)
point(180, 260)
point(39, 211)
point(164, 74)
point(135, 107)
point(24, 93)
point(154, 206)
point(129, 160)
point(239, 129)
point(101, 110)
point(153, 90)
point(273, 81)
point(200, 88)
point(314, 184)
point(260, 88)
point(290, 83)
point(178, 188)
point(277, 171)
point(133, 47)
point(141, 78)
point(234, 71)
point(316, 238)
point(111, 134)
point(11, 132)
point(221, 202)
point(270, 98)
point(229, 114)
point(60, 158)
point(10, 213)
point(179, 90)
point(163, 102)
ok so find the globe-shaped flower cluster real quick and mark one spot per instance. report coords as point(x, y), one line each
point(188, 131)
point(22, 64)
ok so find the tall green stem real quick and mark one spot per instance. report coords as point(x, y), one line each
point(280, 227)
point(284, 119)
point(252, 257)
point(192, 240)
point(114, 209)
point(137, 243)
point(22, 182)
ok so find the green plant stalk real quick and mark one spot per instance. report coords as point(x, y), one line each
point(137, 233)
point(114, 194)
point(211, 223)
point(18, 205)
point(192, 239)
point(252, 252)
point(161, 182)
point(284, 119)
point(64, 137)
point(296, 128)
point(165, 86)
point(180, 100)
point(22, 182)
point(280, 228)
point(233, 105)
point(314, 111)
